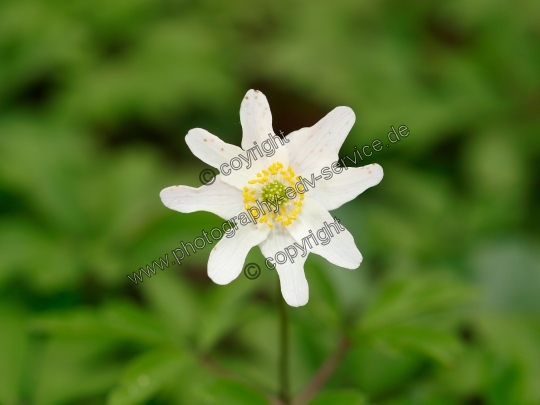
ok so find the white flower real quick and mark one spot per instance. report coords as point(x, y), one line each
point(308, 151)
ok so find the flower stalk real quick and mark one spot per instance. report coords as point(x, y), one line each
point(283, 368)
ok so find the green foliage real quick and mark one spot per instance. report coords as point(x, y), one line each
point(234, 393)
point(339, 398)
point(14, 343)
point(416, 315)
point(145, 376)
point(95, 101)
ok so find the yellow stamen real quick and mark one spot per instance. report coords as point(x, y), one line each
point(282, 178)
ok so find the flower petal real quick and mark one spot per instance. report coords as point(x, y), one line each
point(209, 148)
point(255, 117)
point(213, 151)
point(256, 120)
point(294, 286)
point(317, 146)
point(341, 250)
point(228, 256)
point(345, 186)
point(218, 198)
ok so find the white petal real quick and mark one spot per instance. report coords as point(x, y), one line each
point(228, 256)
point(209, 148)
point(255, 117)
point(345, 186)
point(294, 286)
point(256, 120)
point(341, 250)
point(213, 151)
point(218, 198)
point(312, 148)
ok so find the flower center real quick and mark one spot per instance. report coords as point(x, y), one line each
point(273, 190)
point(274, 193)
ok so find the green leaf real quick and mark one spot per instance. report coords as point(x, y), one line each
point(440, 345)
point(112, 321)
point(71, 369)
point(146, 376)
point(418, 298)
point(343, 397)
point(226, 392)
point(379, 372)
point(174, 302)
point(417, 315)
point(129, 321)
point(223, 310)
point(13, 341)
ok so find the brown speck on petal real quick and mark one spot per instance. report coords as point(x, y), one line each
point(247, 98)
point(256, 91)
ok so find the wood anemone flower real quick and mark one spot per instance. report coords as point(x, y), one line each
point(260, 186)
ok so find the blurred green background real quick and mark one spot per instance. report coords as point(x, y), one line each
point(95, 101)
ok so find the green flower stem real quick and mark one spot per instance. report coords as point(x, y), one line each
point(283, 370)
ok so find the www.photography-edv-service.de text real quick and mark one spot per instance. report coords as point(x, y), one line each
point(251, 215)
